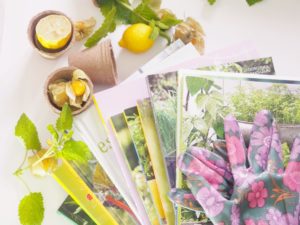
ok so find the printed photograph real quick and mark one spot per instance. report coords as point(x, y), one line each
point(126, 144)
point(204, 101)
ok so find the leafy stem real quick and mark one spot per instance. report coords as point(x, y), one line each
point(23, 182)
point(20, 170)
point(121, 11)
point(128, 7)
point(61, 145)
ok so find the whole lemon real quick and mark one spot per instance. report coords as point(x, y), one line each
point(136, 38)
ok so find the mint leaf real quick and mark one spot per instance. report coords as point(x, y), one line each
point(31, 209)
point(154, 4)
point(155, 30)
point(65, 119)
point(211, 2)
point(143, 13)
point(169, 19)
point(252, 2)
point(53, 132)
point(76, 151)
point(123, 11)
point(106, 6)
point(26, 130)
point(109, 25)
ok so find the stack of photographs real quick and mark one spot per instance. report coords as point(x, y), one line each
point(148, 122)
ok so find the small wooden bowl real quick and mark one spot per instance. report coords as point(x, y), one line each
point(66, 74)
point(48, 53)
point(95, 3)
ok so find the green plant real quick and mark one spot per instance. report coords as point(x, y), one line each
point(200, 129)
point(136, 130)
point(278, 98)
point(123, 12)
point(285, 153)
point(43, 161)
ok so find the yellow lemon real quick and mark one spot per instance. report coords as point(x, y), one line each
point(53, 31)
point(136, 38)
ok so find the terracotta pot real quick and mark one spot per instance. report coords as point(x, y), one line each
point(287, 132)
point(98, 62)
point(48, 53)
point(66, 74)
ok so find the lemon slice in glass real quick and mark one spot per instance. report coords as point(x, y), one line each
point(53, 31)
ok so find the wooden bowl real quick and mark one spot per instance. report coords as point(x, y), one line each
point(66, 74)
point(95, 3)
point(48, 53)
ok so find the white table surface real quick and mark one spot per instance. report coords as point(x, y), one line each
point(273, 25)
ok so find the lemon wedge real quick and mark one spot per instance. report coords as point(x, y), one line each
point(53, 31)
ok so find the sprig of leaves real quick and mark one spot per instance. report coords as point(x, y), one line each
point(61, 145)
point(122, 12)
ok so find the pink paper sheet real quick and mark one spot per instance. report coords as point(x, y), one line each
point(238, 52)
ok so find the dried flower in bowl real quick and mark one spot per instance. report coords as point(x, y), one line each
point(191, 31)
point(84, 28)
point(69, 85)
point(78, 89)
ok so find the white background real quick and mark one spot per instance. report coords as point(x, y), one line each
point(273, 25)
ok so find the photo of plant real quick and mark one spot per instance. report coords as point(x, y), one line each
point(98, 181)
point(72, 211)
point(204, 101)
point(155, 152)
point(256, 66)
point(163, 94)
point(123, 136)
point(138, 138)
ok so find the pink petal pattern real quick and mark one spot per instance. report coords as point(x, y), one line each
point(212, 204)
point(256, 197)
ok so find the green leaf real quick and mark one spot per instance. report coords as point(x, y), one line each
point(106, 6)
point(285, 153)
point(155, 33)
point(26, 130)
point(201, 100)
point(218, 126)
point(211, 2)
point(162, 25)
point(154, 4)
point(65, 119)
point(76, 151)
point(195, 84)
point(53, 132)
point(155, 30)
point(31, 209)
point(252, 2)
point(170, 20)
point(109, 25)
point(67, 136)
point(123, 9)
point(143, 13)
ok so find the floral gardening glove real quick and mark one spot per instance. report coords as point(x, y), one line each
point(264, 193)
point(216, 170)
